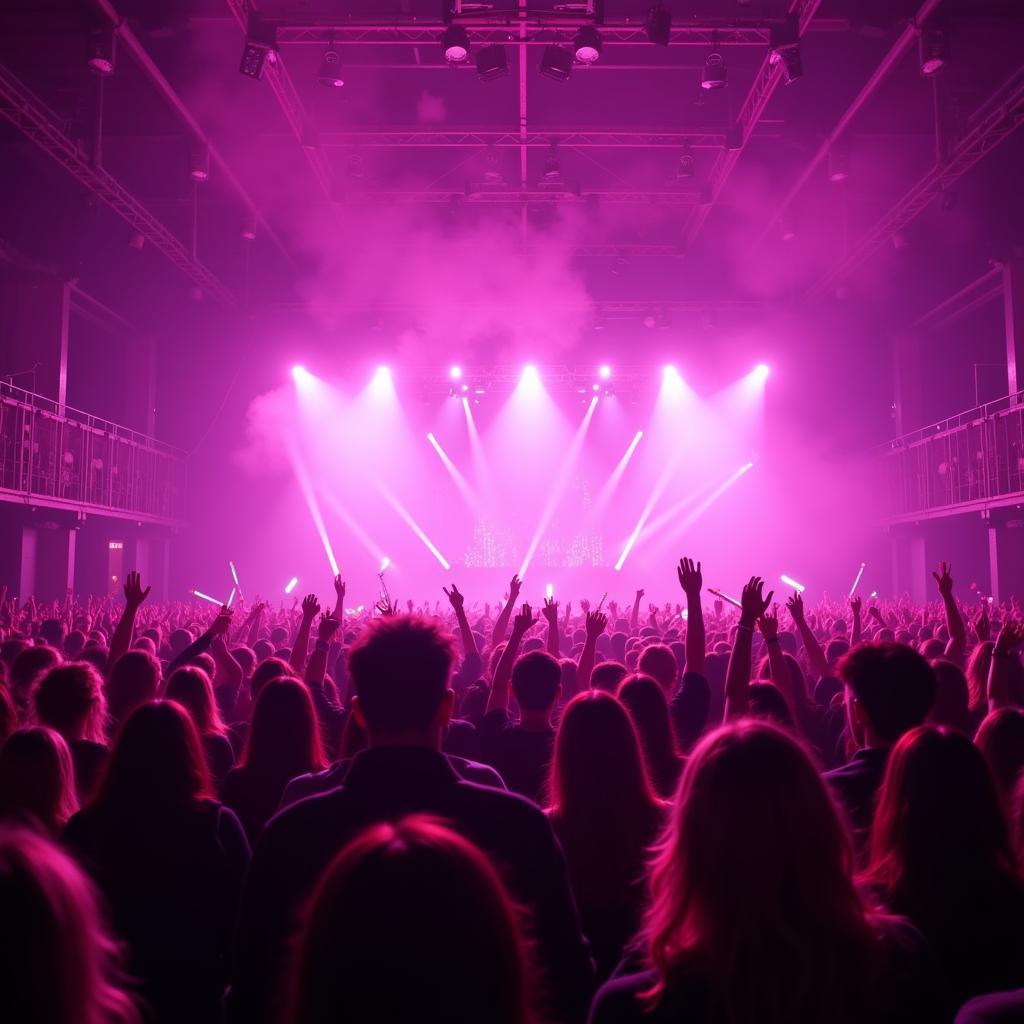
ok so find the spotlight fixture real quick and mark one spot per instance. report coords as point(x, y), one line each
point(687, 165)
point(455, 43)
point(491, 62)
point(102, 50)
point(329, 74)
point(714, 73)
point(786, 230)
point(604, 372)
point(556, 63)
point(587, 45)
point(784, 49)
point(933, 48)
point(455, 372)
point(249, 227)
point(260, 47)
point(659, 25)
point(552, 179)
point(199, 169)
point(838, 169)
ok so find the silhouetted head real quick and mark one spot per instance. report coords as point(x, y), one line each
point(607, 676)
point(37, 779)
point(658, 662)
point(767, 702)
point(133, 681)
point(284, 736)
point(645, 701)
point(57, 963)
point(536, 681)
point(8, 715)
point(272, 668)
point(192, 689)
point(1000, 739)
point(951, 705)
point(52, 631)
point(70, 699)
point(29, 663)
point(411, 922)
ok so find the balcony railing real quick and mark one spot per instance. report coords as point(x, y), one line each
point(59, 457)
point(971, 461)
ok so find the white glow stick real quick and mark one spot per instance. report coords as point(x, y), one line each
point(790, 582)
point(204, 597)
point(725, 597)
point(231, 597)
point(292, 584)
point(601, 603)
point(549, 591)
point(234, 574)
point(856, 582)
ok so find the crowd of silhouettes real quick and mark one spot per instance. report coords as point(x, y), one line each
point(505, 814)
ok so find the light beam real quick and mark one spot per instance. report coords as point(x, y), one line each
point(403, 513)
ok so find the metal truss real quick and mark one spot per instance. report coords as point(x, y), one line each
point(980, 292)
point(765, 83)
point(42, 126)
point(1000, 121)
point(659, 309)
point(520, 197)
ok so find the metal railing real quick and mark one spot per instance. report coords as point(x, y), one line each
point(64, 458)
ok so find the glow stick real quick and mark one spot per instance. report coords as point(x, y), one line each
point(292, 584)
point(874, 593)
point(790, 582)
point(724, 597)
point(549, 591)
point(600, 603)
point(204, 597)
point(234, 574)
point(231, 597)
point(385, 562)
point(856, 582)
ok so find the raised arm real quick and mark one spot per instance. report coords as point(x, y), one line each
point(691, 580)
point(316, 668)
point(121, 641)
point(498, 699)
point(310, 610)
point(229, 672)
point(857, 632)
point(768, 623)
point(255, 621)
point(220, 625)
point(815, 655)
point(551, 614)
point(596, 624)
point(458, 603)
point(737, 680)
point(957, 645)
point(501, 622)
point(634, 618)
point(1011, 636)
point(339, 599)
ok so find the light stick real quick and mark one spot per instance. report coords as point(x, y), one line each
point(600, 604)
point(204, 597)
point(231, 596)
point(724, 597)
point(549, 591)
point(790, 582)
point(292, 584)
point(856, 582)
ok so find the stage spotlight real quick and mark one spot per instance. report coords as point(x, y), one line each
point(659, 25)
point(260, 47)
point(761, 371)
point(531, 378)
point(329, 74)
point(605, 372)
point(491, 63)
point(382, 374)
point(455, 43)
point(784, 49)
point(933, 48)
point(102, 50)
point(556, 62)
point(714, 74)
point(687, 165)
point(455, 372)
point(249, 227)
point(838, 167)
point(587, 45)
point(199, 163)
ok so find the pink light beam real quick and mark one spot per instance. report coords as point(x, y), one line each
point(460, 481)
point(403, 513)
point(306, 486)
point(612, 483)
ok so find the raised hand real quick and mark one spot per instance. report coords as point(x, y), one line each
point(753, 603)
point(585, 605)
point(550, 611)
point(690, 577)
point(983, 625)
point(310, 606)
point(387, 606)
point(515, 585)
point(455, 599)
point(328, 627)
point(795, 604)
point(944, 579)
point(1011, 636)
point(134, 595)
point(597, 622)
point(222, 622)
point(524, 620)
point(640, 594)
point(875, 614)
point(856, 604)
point(339, 588)
point(768, 623)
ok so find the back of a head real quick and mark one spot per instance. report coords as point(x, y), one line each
point(37, 779)
point(73, 643)
point(179, 640)
point(892, 683)
point(133, 681)
point(57, 964)
point(977, 674)
point(536, 681)
point(608, 675)
point(284, 736)
point(1000, 739)
point(27, 665)
point(647, 705)
point(192, 689)
point(940, 827)
point(157, 762)
point(52, 631)
point(754, 876)
point(70, 698)
point(767, 702)
point(400, 666)
point(598, 772)
point(659, 662)
point(411, 922)
point(8, 715)
point(270, 669)
point(951, 706)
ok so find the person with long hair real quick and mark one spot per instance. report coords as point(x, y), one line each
point(283, 742)
point(606, 813)
point(58, 964)
point(69, 699)
point(134, 679)
point(169, 860)
point(435, 904)
point(37, 780)
point(192, 689)
point(1000, 738)
point(648, 708)
point(941, 855)
point(754, 916)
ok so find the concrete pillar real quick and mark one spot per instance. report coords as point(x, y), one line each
point(1013, 308)
point(27, 567)
point(1006, 558)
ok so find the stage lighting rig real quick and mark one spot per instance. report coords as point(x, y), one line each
point(102, 51)
point(933, 48)
point(329, 74)
point(587, 45)
point(492, 62)
point(784, 49)
point(714, 74)
point(659, 25)
point(260, 47)
point(556, 63)
point(455, 44)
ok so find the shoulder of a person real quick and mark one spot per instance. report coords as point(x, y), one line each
point(618, 999)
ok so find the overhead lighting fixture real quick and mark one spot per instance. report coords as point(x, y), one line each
point(933, 48)
point(687, 164)
point(260, 47)
point(249, 227)
point(552, 178)
point(587, 44)
point(455, 43)
point(102, 50)
point(714, 74)
point(556, 63)
point(659, 25)
point(784, 49)
point(491, 62)
point(329, 74)
point(838, 168)
point(199, 169)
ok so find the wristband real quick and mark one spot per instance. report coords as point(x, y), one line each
point(323, 645)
